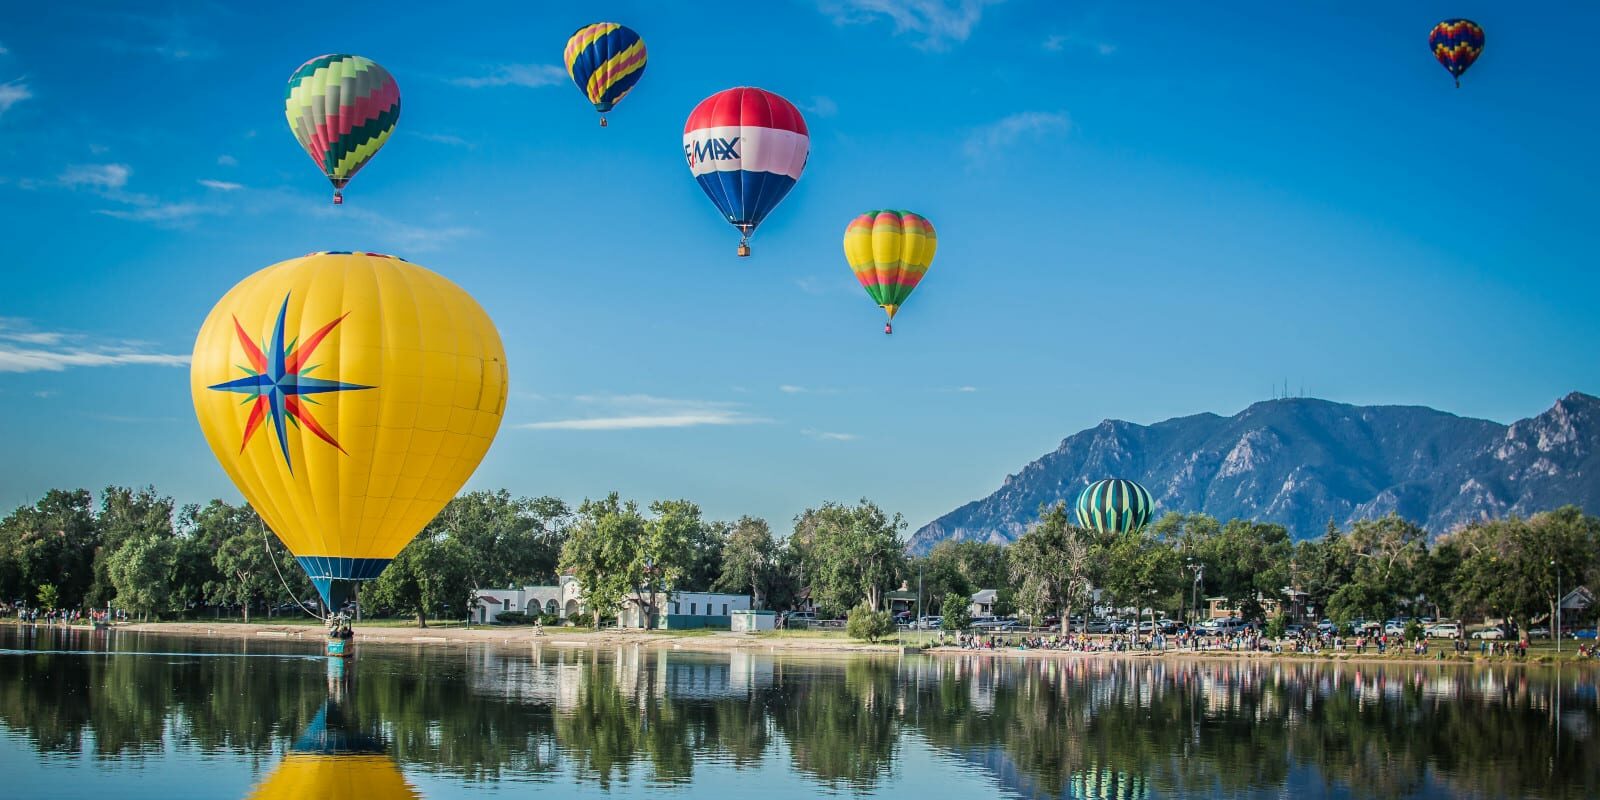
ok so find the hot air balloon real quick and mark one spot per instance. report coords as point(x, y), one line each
point(1456, 43)
point(348, 396)
point(341, 109)
point(605, 60)
point(1114, 505)
point(746, 147)
point(889, 251)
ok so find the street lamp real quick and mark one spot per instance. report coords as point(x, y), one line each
point(1557, 632)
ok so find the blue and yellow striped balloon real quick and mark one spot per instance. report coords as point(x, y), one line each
point(605, 60)
point(1114, 505)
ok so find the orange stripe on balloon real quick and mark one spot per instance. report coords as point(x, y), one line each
point(251, 350)
point(292, 405)
point(303, 352)
point(257, 412)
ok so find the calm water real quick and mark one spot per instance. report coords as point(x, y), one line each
point(125, 715)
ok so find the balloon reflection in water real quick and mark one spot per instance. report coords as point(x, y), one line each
point(336, 758)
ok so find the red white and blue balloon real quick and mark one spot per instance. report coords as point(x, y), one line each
point(747, 148)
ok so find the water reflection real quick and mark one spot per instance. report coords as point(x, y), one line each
point(634, 721)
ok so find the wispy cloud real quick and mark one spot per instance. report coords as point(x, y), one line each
point(403, 237)
point(790, 388)
point(640, 411)
point(830, 436)
point(821, 106)
point(156, 212)
point(3, 50)
point(998, 136)
point(170, 38)
point(221, 186)
point(12, 93)
point(226, 160)
point(23, 349)
point(532, 76)
point(938, 23)
point(96, 176)
point(444, 138)
point(1059, 42)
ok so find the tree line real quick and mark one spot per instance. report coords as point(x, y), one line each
point(137, 550)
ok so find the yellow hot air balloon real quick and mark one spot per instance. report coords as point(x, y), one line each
point(889, 252)
point(334, 759)
point(348, 396)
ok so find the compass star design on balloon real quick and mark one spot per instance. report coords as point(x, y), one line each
point(279, 384)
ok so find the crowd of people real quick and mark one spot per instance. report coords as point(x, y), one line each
point(1246, 641)
point(68, 616)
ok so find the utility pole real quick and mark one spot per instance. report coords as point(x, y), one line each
point(1557, 631)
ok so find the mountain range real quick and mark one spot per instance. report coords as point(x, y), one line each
point(1301, 462)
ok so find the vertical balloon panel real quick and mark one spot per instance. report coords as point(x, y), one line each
point(349, 396)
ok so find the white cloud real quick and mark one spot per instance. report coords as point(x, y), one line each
point(1057, 42)
point(157, 212)
point(821, 106)
point(221, 186)
point(641, 411)
point(12, 93)
point(532, 76)
point(226, 160)
point(97, 176)
point(400, 237)
point(830, 436)
point(937, 22)
point(23, 350)
point(444, 138)
point(789, 388)
point(3, 50)
point(997, 136)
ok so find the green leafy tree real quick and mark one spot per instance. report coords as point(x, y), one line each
point(1142, 571)
point(1277, 626)
point(853, 554)
point(600, 551)
point(1243, 561)
point(513, 540)
point(749, 560)
point(143, 573)
point(48, 597)
point(53, 541)
point(431, 576)
point(126, 515)
point(1387, 554)
point(242, 551)
point(1052, 565)
point(707, 543)
point(867, 624)
point(956, 614)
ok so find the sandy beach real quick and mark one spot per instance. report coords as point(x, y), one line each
point(723, 641)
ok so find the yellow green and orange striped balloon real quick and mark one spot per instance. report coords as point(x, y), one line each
point(341, 108)
point(890, 251)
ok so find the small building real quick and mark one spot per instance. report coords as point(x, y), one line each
point(564, 601)
point(982, 604)
point(682, 610)
point(752, 621)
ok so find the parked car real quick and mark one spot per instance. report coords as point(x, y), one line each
point(1098, 626)
point(1222, 627)
point(1583, 633)
point(1394, 627)
point(993, 623)
point(1294, 629)
point(929, 622)
point(1443, 630)
point(1491, 632)
point(1541, 632)
point(1326, 626)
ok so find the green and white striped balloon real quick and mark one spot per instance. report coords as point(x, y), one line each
point(1115, 505)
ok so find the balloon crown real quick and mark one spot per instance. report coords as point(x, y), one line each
point(353, 253)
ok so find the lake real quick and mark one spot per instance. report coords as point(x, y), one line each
point(130, 715)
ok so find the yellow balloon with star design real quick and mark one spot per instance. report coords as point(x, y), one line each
point(349, 396)
point(300, 776)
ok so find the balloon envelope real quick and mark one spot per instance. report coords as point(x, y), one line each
point(746, 147)
point(348, 396)
point(341, 109)
point(605, 60)
point(1114, 505)
point(889, 252)
point(1456, 43)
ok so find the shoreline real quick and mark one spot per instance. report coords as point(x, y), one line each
point(724, 641)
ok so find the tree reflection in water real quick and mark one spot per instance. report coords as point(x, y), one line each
point(1055, 727)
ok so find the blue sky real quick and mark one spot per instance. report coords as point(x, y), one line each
point(1144, 210)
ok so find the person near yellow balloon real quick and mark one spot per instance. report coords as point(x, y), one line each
point(890, 252)
point(349, 396)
